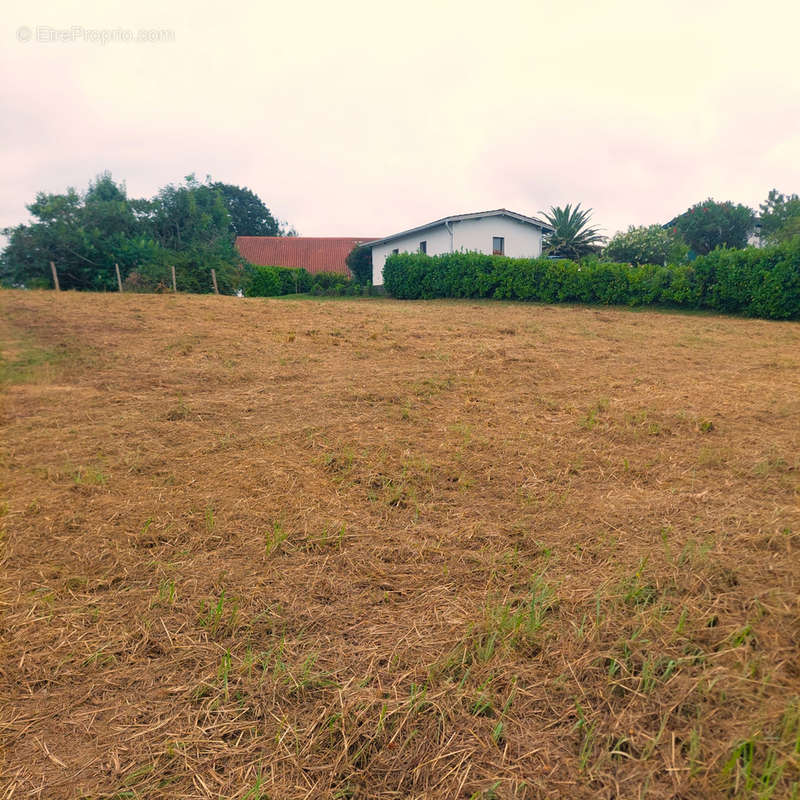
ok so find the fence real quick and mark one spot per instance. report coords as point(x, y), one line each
point(149, 279)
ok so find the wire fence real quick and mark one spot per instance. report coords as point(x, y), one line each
point(152, 278)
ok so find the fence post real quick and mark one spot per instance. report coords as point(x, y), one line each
point(55, 276)
point(119, 277)
point(214, 280)
point(174, 284)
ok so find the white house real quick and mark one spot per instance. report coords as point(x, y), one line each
point(499, 232)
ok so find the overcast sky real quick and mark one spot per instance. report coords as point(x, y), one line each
point(365, 118)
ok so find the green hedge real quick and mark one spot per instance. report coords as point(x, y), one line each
point(276, 281)
point(757, 282)
point(330, 280)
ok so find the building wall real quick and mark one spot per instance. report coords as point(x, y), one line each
point(522, 240)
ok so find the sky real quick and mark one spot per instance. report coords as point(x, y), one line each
point(360, 118)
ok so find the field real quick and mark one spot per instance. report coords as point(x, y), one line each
point(370, 549)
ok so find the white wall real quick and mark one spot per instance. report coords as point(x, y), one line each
point(522, 240)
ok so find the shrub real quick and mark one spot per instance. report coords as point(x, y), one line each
point(264, 282)
point(140, 282)
point(334, 284)
point(192, 273)
point(275, 281)
point(649, 244)
point(359, 262)
point(754, 282)
point(294, 281)
point(328, 280)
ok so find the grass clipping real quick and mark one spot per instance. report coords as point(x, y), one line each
point(369, 549)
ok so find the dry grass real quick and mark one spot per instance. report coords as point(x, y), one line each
point(362, 549)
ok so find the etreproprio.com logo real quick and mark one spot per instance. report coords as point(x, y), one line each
point(78, 34)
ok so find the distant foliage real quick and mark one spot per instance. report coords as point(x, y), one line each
point(754, 282)
point(572, 236)
point(647, 244)
point(708, 225)
point(190, 226)
point(249, 216)
point(780, 217)
point(278, 281)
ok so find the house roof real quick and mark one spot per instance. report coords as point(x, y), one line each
point(314, 253)
point(498, 212)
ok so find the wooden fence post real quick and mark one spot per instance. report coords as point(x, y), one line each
point(214, 280)
point(55, 276)
point(174, 284)
point(119, 277)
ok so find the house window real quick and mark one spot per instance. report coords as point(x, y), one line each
point(423, 247)
point(395, 251)
point(498, 245)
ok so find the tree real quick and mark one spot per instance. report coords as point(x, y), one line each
point(647, 244)
point(187, 226)
point(85, 235)
point(359, 262)
point(193, 227)
point(189, 215)
point(249, 216)
point(780, 217)
point(708, 225)
point(572, 237)
point(790, 231)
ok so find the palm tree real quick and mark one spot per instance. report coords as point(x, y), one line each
point(571, 237)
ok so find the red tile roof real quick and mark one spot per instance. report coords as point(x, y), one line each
point(314, 253)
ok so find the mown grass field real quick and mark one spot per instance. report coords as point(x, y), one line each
point(369, 549)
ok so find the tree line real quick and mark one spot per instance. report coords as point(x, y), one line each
point(697, 231)
point(191, 226)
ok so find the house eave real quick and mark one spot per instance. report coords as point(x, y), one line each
point(500, 212)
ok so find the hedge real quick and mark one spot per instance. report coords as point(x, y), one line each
point(274, 281)
point(264, 281)
point(756, 282)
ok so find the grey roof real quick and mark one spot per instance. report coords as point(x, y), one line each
point(498, 212)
